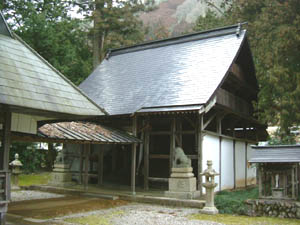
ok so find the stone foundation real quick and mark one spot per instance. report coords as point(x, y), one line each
point(274, 208)
point(182, 184)
point(61, 176)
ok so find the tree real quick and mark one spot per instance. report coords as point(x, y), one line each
point(274, 36)
point(115, 24)
point(49, 29)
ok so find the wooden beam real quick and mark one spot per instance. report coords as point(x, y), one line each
point(199, 144)
point(172, 144)
point(190, 121)
point(160, 133)
point(233, 103)
point(209, 120)
point(133, 155)
point(146, 160)
point(159, 179)
point(161, 156)
point(100, 165)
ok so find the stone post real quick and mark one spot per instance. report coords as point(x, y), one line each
point(16, 170)
point(209, 185)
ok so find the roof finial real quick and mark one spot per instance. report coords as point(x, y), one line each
point(238, 30)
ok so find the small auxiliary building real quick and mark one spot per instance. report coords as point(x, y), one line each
point(195, 92)
point(278, 170)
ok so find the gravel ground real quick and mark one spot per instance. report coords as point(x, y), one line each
point(31, 195)
point(133, 213)
point(136, 213)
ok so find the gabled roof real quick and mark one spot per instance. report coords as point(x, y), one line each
point(275, 154)
point(180, 71)
point(29, 81)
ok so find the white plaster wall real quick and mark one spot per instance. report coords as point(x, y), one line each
point(211, 152)
point(227, 164)
point(23, 123)
point(251, 169)
point(240, 163)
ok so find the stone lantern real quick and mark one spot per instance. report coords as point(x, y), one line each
point(16, 169)
point(210, 185)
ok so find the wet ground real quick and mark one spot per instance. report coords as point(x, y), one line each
point(76, 210)
point(38, 211)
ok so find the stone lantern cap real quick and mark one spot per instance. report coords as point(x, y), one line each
point(209, 172)
point(16, 162)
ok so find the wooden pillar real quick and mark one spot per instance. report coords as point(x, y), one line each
point(6, 141)
point(260, 182)
point(4, 161)
point(199, 150)
point(293, 182)
point(179, 132)
point(114, 159)
point(172, 144)
point(133, 155)
point(297, 180)
point(219, 131)
point(234, 165)
point(81, 164)
point(246, 164)
point(100, 165)
point(146, 160)
point(86, 165)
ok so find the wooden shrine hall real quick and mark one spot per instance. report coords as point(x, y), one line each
point(194, 91)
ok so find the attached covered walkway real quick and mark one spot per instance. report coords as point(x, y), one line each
point(85, 134)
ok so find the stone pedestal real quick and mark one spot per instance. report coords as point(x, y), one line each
point(209, 204)
point(182, 184)
point(61, 175)
point(277, 192)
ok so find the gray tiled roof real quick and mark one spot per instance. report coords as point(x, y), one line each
point(27, 80)
point(174, 72)
point(271, 154)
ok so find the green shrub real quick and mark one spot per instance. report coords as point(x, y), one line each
point(232, 202)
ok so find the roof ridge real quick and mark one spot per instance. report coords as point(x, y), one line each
point(232, 29)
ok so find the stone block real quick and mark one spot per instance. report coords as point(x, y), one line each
point(183, 175)
point(183, 194)
point(182, 170)
point(59, 178)
point(182, 184)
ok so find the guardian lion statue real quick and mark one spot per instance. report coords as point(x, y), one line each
point(180, 159)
